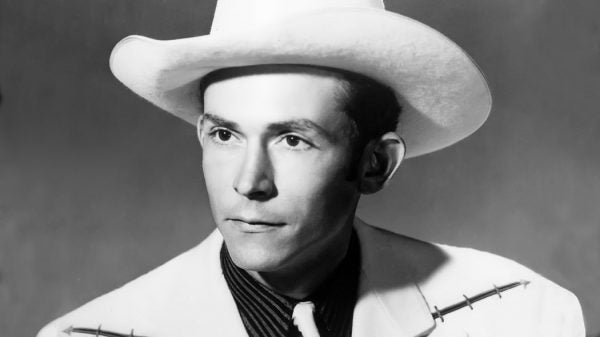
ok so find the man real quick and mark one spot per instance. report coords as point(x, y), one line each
point(300, 108)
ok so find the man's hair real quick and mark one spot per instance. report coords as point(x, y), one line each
point(372, 107)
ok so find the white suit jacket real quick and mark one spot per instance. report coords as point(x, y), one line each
point(402, 282)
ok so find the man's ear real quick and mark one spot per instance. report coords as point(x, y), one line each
point(200, 129)
point(379, 162)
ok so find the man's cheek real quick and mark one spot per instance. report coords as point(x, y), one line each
point(219, 174)
point(219, 192)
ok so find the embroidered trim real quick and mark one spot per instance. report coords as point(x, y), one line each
point(438, 313)
point(468, 301)
point(98, 332)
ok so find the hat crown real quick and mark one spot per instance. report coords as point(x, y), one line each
point(234, 16)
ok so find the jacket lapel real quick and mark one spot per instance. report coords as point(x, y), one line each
point(218, 314)
point(389, 303)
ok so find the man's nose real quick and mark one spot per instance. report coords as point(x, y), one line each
point(255, 177)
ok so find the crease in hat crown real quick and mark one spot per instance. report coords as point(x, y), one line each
point(233, 16)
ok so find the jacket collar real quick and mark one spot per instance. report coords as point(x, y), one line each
point(390, 302)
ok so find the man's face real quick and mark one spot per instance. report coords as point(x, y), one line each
point(276, 155)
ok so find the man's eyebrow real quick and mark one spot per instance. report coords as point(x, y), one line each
point(218, 121)
point(300, 124)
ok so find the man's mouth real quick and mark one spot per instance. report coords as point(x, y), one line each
point(254, 225)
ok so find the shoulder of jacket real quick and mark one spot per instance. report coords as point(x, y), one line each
point(492, 289)
point(483, 291)
point(473, 270)
point(143, 294)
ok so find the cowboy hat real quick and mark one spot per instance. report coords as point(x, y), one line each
point(444, 95)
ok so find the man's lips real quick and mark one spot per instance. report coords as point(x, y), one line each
point(255, 223)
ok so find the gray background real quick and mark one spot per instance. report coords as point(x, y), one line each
point(97, 186)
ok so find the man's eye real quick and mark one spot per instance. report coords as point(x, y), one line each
point(223, 135)
point(292, 141)
point(296, 143)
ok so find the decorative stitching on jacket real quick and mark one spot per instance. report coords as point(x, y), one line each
point(98, 332)
point(468, 301)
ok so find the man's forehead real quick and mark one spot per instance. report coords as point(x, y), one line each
point(275, 92)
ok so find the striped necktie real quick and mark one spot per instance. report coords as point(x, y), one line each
point(304, 320)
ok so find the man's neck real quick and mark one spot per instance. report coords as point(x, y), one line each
point(299, 282)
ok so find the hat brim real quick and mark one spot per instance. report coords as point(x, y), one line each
point(444, 95)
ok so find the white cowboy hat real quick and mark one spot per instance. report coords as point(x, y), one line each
point(444, 96)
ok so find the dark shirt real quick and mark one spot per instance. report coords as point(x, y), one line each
point(267, 313)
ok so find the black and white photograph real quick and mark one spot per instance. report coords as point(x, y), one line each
point(299, 168)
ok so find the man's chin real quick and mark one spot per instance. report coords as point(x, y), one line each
point(257, 261)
